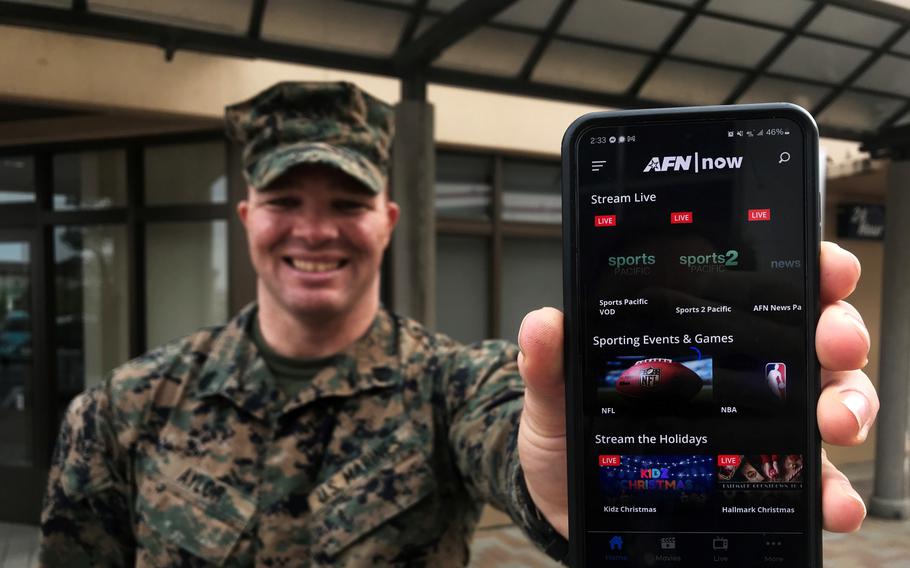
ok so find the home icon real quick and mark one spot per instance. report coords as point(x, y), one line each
point(616, 543)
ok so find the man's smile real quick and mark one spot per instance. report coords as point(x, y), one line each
point(314, 266)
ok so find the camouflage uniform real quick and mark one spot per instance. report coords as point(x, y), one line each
point(192, 456)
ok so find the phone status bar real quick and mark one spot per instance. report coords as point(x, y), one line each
point(739, 133)
point(614, 139)
point(758, 132)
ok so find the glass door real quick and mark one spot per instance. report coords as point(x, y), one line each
point(106, 249)
point(20, 448)
point(15, 351)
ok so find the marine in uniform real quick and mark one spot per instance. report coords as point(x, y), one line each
point(315, 428)
point(215, 450)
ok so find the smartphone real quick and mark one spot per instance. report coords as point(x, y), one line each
point(691, 253)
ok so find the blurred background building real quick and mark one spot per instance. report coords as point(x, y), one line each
point(118, 187)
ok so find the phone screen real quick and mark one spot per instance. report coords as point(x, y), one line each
point(695, 319)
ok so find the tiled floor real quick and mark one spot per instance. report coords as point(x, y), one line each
point(18, 544)
point(880, 544)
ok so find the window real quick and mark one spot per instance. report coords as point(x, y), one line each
point(100, 249)
point(499, 253)
point(185, 173)
point(90, 180)
point(186, 278)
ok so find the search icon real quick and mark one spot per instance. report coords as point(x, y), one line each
point(784, 157)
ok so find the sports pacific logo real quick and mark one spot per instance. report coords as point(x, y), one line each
point(686, 163)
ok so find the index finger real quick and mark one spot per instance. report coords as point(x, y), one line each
point(840, 271)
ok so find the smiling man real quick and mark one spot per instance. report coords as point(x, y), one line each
point(318, 429)
point(316, 240)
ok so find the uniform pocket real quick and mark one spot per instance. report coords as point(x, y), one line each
point(207, 522)
point(368, 493)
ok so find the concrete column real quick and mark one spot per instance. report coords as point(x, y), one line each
point(413, 258)
point(890, 498)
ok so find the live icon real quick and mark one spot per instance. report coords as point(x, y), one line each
point(608, 461)
point(728, 460)
point(759, 215)
point(605, 220)
point(680, 217)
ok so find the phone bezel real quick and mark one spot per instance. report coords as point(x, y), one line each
point(572, 345)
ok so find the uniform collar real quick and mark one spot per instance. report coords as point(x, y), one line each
point(236, 371)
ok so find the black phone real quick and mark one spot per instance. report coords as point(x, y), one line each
point(691, 253)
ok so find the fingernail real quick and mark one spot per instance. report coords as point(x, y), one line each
point(858, 405)
point(519, 333)
point(857, 322)
point(852, 256)
point(851, 492)
point(855, 316)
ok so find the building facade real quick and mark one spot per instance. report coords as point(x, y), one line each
point(118, 229)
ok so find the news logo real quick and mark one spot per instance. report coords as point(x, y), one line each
point(776, 375)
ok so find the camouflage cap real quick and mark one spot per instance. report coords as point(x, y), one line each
point(334, 124)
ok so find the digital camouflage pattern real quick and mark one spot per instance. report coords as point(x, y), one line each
point(191, 456)
point(334, 124)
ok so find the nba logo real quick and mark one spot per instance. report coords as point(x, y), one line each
point(776, 375)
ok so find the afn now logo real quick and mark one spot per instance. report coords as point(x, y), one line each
point(685, 163)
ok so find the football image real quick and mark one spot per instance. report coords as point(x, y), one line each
point(658, 380)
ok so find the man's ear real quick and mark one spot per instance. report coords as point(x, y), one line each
point(392, 209)
point(393, 212)
point(243, 209)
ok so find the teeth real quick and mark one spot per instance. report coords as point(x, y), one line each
point(315, 266)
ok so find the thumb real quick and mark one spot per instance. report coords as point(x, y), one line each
point(540, 339)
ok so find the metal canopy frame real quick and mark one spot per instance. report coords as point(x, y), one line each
point(415, 58)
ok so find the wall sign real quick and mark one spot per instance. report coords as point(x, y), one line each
point(861, 221)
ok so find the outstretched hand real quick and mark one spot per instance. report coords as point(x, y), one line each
point(846, 408)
